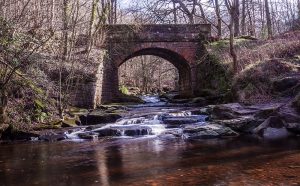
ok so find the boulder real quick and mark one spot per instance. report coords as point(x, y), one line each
point(88, 135)
point(177, 121)
point(271, 122)
point(98, 117)
point(11, 133)
point(202, 111)
point(293, 127)
point(52, 137)
point(174, 132)
point(200, 101)
point(70, 122)
point(242, 124)
point(283, 84)
point(274, 127)
point(275, 133)
point(289, 115)
point(231, 111)
point(207, 131)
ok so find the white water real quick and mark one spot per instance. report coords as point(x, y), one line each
point(150, 99)
point(151, 125)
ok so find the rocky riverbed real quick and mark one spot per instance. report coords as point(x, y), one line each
point(157, 118)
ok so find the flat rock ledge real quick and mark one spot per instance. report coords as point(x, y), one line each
point(271, 121)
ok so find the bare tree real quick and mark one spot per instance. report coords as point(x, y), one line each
point(231, 9)
point(268, 17)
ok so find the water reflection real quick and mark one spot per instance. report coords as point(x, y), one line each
point(152, 161)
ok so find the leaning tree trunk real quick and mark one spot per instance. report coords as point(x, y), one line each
point(3, 106)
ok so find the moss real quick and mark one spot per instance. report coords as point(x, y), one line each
point(73, 111)
point(224, 43)
point(124, 90)
point(39, 104)
point(213, 75)
point(70, 122)
point(45, 126)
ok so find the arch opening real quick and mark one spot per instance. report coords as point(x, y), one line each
point(148, 74)
point(182, 75)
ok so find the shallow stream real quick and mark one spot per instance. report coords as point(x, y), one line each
point(143, 153)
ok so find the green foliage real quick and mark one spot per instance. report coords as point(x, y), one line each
point(39, 114)
point(38, 104)
point(214, 75)
point(124, 89)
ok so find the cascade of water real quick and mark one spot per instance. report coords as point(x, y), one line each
point(152, 124)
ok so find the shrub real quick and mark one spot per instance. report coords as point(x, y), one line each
point(124, 90)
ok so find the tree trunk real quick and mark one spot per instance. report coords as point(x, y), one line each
point(243, 21)
point(231, 31)
point(268, 17)
point(3, 106)
point(219, 19)
point(64, 54)
point(174, 13)
point(298, 5)
point(91, 26)
point(236, 17)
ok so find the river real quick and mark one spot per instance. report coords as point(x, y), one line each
point(153, 158)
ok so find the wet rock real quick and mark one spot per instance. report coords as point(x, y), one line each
point(272, 128)
point(242, 124)
point(174, 132)
point(293, 127)
point(181, 120)
point(70, 122)
point(200, 101)
point(275, 133)
point(271, 122)
point(13, 134)
point(98, 117)
point(124, 131)
point(202, 111)
point(179, 101)
point(290, 116)
point(52, 137)
point(87, 135)
point(77, 111)
point(266, 113)
point(285, 83)
point(93, 127)
point(207, 131)
point(231, 111)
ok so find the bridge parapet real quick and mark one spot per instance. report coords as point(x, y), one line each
point(157, 33)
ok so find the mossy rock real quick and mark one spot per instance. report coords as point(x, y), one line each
point(46, 126)
point(98, 117)
point(70, 122)
point(73, 111)
point(213, 75)
point(122, 99)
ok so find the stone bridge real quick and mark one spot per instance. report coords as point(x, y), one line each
point(181, 45)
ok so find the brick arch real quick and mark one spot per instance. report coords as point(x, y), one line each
point(182, 45)
point(179, 61)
